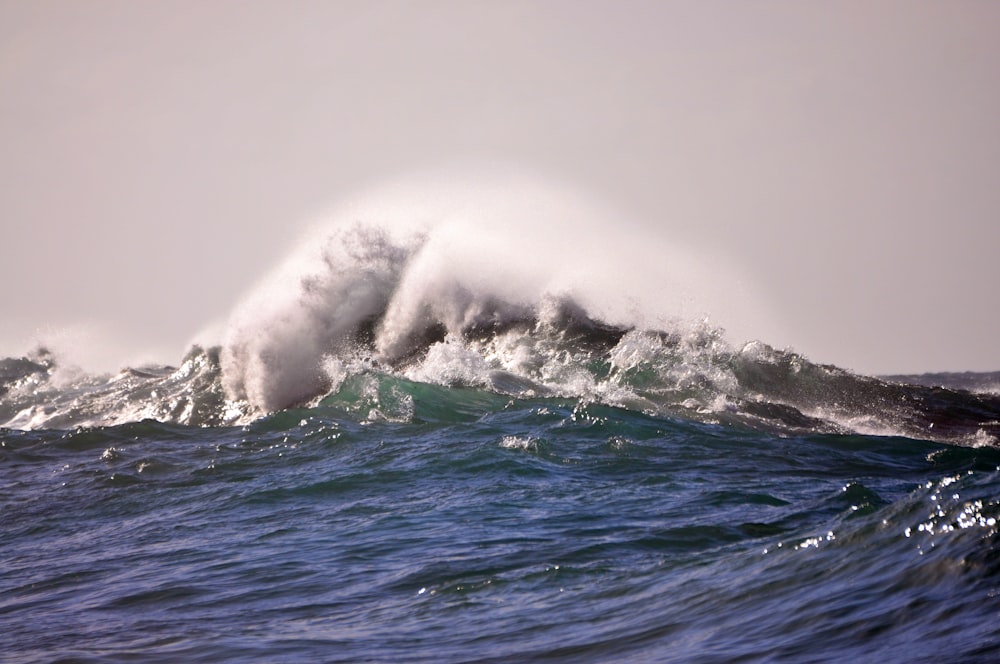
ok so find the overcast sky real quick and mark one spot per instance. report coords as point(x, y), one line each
point(157, 157)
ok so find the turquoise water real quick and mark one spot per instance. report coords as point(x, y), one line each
point(462, 524)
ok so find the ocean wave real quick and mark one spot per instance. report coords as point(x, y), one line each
point(684, 373)
point(496, 304)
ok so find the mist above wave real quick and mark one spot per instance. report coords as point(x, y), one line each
point(413, 264)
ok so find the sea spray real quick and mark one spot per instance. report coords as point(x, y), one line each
point(405, 266)
point(273, 350)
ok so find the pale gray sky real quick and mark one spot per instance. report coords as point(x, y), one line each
point(157, 158)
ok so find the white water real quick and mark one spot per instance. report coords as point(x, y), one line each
point(457, 250)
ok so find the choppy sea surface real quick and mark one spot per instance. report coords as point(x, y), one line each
point(350, 477)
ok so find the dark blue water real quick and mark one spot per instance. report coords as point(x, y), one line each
point(458, 524)
point(407, 448)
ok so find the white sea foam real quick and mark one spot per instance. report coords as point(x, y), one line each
point(278, 337)
point(524, 443)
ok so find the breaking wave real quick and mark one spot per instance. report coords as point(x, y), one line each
point(515, 292)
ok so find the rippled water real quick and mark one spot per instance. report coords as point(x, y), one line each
point(483, 527)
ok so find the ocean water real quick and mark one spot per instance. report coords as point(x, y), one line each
point(385, 460)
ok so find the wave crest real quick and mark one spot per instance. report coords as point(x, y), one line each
point(514, 295)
